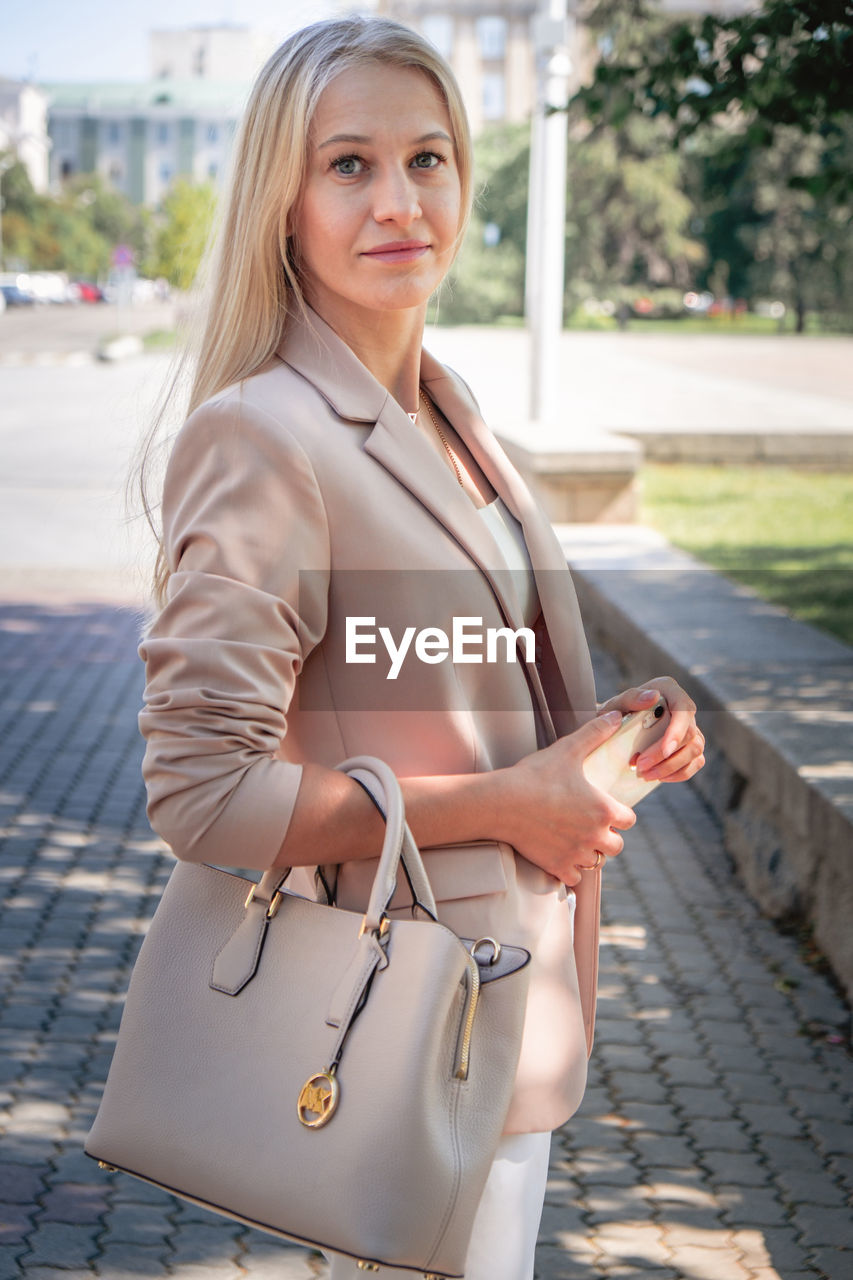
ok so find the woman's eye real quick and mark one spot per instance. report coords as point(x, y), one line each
point(427, 160)
point(347, 166)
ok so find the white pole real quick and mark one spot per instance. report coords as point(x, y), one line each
point(547, 211)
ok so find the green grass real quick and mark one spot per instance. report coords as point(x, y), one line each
point(786, 534)
point(159, 340)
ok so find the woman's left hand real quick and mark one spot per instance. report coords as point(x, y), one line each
point(679, 753)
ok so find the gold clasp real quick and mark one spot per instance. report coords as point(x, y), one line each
point(367, 1266)
point(272, 909)
point(384, 926)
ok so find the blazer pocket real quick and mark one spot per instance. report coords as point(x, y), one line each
point(455, 871)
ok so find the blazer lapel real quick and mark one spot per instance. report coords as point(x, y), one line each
point(330, 365)
point(557, 597)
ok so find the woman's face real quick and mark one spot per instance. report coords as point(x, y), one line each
point(377, 220)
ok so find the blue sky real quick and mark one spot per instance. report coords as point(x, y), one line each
point(108, 39)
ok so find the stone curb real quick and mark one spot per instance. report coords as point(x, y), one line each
point(775, 700)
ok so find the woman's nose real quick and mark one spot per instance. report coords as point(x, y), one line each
point(396, 198)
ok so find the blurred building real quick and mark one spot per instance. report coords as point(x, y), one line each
point(140, 137)
point(225, 53)
point(490, 44)
point(179, 123)
point(23, 128)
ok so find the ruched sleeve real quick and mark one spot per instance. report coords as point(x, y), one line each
point(242, 515)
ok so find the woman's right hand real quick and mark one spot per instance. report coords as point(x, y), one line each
point(556, 819)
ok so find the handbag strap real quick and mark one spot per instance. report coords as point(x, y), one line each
point(375, 775)
point(380, 782)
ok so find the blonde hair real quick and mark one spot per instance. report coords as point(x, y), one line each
point(252, 279)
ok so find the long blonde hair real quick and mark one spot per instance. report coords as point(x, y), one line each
point(252, 282)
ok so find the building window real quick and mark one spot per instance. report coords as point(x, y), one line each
point(164, 135)
point(494, 95)
point(213, 172)
point(113, 133)
point(491, 37)
point(199, 59)
point(116, 174)
point(165, 174)
point(213, 133)
point(438, 29)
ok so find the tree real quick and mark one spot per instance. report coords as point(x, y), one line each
point(783, 65)
point(186, 218)
point(628, 216)
point(75, 231)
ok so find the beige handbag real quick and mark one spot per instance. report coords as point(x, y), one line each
point(336, 1079)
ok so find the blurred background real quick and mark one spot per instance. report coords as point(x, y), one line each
point(697, 192)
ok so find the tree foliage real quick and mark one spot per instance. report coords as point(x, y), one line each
point(185, 219)
point(74, 231)
point(786, 64)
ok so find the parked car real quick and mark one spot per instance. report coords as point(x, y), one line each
point(15, 297)
point(85, 291)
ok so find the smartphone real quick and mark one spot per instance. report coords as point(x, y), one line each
point(612, 766)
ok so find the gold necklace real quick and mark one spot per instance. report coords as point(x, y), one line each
point(422, 399)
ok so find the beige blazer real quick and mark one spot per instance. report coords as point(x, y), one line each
point(301, 498)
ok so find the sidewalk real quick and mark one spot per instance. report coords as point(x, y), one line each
point(715, 1141)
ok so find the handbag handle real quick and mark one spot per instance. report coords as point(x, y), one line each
point(379, 780)
point(398, 845)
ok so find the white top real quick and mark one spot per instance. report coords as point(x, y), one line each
point(507, 533)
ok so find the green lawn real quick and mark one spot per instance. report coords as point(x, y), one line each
point(787, 534)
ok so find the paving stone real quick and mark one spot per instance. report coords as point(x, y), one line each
point(719, 1135)
point(131, 1262)
point(813, 1189)
point(286, 1267)
point(779, 1244)
point(833, 1139)
point(551, 1264)
point(701, 1103)
point(770, 1119)
point(561, 1220)
point(824, 1226)
point(632, 1240)
point(638, 1086)
point(751, 1206)
point(736, 1168)
point(19, 1184)
point(689, 1071)
point(74, 1202)
point(132, 1224)
point(60, 1244)
point(709, 1264)
point(16, 1223)
point(664, 1150)
point(207, 1271)
point(56, 1273)
point(832, 1264)
point(652, 1117)
point(213, 1243)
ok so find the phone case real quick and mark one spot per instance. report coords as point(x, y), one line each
point(611, 767)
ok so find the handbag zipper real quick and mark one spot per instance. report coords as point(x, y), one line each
point(470, 1010)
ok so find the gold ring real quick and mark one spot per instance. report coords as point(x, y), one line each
point(600, 859)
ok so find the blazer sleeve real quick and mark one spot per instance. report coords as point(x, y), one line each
point(242, 516)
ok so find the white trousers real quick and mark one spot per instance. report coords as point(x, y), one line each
point(503, 1243)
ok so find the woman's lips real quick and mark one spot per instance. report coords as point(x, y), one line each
point(398, 251)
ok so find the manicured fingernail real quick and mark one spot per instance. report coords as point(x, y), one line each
point(648, 694)
point(612, 717)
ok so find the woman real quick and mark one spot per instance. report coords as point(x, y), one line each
point(333, 503)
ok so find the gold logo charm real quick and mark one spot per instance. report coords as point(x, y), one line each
point(318, 1100)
